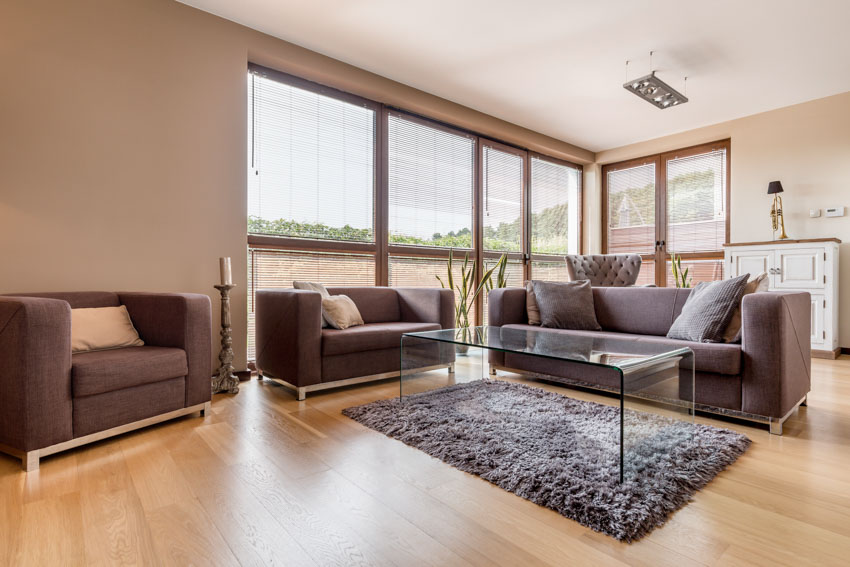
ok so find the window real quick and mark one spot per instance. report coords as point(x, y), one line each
point(503, 180)
point(313, 164)
point(555, 207)
point(346, 191)
point(671, 203)
point(431, 183)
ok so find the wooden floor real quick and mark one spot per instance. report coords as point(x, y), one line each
point(269, 480)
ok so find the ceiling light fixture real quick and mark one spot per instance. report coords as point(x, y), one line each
point(653, 90)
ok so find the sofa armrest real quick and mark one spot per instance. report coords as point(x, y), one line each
point(289, 335)
point(177, 320)
point(36, 407)
point(506, 306)
point(427, 305)
point(776, 351)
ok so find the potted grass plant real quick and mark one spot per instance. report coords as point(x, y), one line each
point(681, 277)
point(467, 291)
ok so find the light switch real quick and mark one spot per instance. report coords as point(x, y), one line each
point(814, 213)
point(835, 212)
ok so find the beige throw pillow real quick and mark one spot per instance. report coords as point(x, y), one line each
point(313, 286)
point(757, 283)
point(102, 328)
point(340, 312)
point(531, 305)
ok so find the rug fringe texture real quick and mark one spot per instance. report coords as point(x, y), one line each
point(560, 452)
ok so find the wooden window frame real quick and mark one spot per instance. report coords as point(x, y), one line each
point(381, 248)
point(661, 255)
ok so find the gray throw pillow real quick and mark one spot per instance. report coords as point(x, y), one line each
point(566, 305)
point(708, 310)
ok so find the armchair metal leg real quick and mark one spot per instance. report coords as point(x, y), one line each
point(775, 427)
point(492, 371)
point(452, 368)
point(301, 394)
point(206, 410)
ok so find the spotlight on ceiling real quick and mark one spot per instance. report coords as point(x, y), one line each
point(655, 91)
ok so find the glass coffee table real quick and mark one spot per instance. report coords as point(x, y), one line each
point(644, 376)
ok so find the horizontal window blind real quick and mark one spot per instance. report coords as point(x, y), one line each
point(646, 276)
point(311, 164)
point(631, 210)
point(502, 180)
point(431, 183)
point(279, 268)
point(554, 207)
point(698, 271)
point(552, 271)
point(696, 202)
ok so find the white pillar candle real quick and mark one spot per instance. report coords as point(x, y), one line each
point(226, 273)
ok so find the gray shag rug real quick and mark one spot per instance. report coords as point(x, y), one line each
point(561, 453)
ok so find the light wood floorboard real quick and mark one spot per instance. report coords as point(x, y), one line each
point(267, 480)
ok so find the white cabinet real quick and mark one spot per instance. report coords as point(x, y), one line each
point(797, 265)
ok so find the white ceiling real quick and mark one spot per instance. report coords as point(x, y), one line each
point(557, 66)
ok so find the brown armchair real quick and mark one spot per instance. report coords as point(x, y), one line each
point(52, 400)
point(294, 349)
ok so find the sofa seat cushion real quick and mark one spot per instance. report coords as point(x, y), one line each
point(371, 336)
point(103, 371)
point(719, 358)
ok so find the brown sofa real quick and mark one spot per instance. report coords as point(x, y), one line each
point(764, 378)
point(294, 349)
point(52, 400)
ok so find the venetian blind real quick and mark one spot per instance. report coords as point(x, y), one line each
point(696, 202)
point(554, 207)
point(631, 210)
point(311, 163)
point(502, 180)
point(431, 176)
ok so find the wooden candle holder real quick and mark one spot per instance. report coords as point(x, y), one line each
point(225, 381)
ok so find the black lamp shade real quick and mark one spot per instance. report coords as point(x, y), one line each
point(774, 187)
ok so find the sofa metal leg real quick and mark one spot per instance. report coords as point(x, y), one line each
point(30, 461)
point(775, 427)
point(452, 368)
point(206, 410)
point(301, 394)
point(492, 371)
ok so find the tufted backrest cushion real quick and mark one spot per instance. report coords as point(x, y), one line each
point(606, 270)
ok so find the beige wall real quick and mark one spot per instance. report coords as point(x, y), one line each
point(806, 146)
point(122, 143)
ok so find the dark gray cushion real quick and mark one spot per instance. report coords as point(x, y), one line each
point(708, 310)
point(566, 305)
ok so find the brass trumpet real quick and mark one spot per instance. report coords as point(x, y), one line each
point(777, 220)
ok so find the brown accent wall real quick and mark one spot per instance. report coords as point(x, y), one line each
point(123, 143)
point(806, 146)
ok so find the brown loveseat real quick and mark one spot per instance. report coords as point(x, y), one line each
point(764, 378)
point(52, 400)
point(294, 349)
